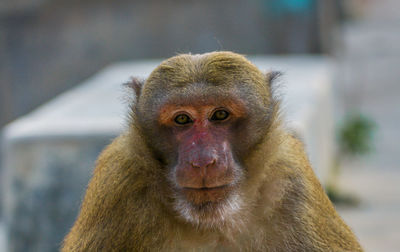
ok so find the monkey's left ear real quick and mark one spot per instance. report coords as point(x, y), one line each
point(272, 77)
point(136, 85)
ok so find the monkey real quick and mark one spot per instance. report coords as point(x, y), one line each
point(206, 164)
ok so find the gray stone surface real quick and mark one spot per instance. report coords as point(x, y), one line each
point(44, 188)
point(2, 238)
point(49, 154)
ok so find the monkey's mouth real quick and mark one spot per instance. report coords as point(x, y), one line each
point(201, 195)
point(206, 188)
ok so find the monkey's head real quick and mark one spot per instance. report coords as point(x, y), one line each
point(202, 116)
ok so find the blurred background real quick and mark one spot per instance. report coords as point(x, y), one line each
point(50, 46)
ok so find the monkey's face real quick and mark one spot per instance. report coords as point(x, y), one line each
point(203, 170)
point(202, 116)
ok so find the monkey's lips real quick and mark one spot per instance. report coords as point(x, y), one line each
point(202, 195)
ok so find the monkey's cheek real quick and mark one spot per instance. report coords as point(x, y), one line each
point(202, 196)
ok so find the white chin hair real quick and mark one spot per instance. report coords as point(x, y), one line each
point(212, 215)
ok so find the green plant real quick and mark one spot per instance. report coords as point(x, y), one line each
point(356, 135)
point(355, 138)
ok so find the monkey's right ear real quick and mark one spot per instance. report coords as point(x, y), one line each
point(136, 85)
point(273, 76)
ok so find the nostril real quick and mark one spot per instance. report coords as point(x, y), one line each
point(211, 163)
point(195, 165)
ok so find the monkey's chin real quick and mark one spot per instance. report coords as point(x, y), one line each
point(208, 208)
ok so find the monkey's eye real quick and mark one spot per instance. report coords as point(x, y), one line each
point(219, 115)
point(182, 119)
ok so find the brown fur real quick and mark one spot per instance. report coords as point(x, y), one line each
point(128, 203)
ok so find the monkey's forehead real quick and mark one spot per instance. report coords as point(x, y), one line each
point(215, 69)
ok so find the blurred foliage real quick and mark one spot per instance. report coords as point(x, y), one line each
point(356, 135)
point(355, 138)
